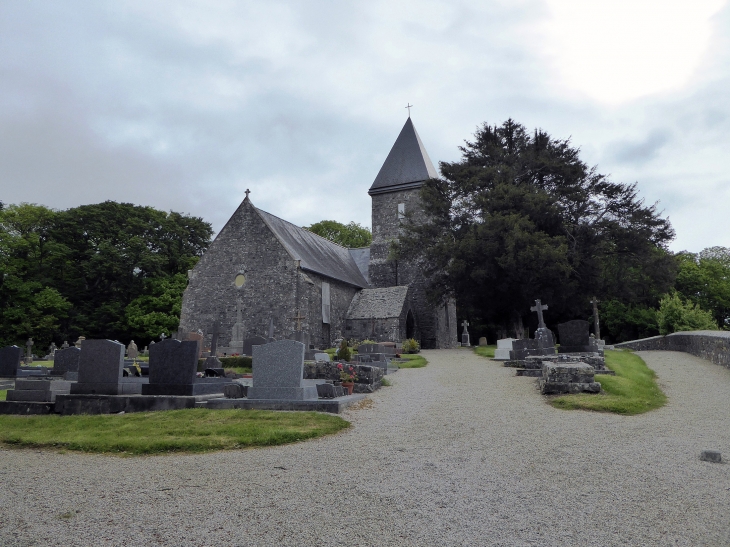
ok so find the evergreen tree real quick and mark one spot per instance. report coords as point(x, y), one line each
point(521, 217)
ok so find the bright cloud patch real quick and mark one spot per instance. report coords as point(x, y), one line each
point(615, 51)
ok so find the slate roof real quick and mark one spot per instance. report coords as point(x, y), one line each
point(378, 303)
point(317, 254)
point(362, 259)
point(407, 164)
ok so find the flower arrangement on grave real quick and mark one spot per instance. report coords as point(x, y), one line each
point(347, 373)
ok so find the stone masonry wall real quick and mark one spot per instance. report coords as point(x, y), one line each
point(341, 295)
point(711, 345)
point(433, 331)
point(246, 245)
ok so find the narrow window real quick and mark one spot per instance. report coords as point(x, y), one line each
point(325, 303)
point(401, 210)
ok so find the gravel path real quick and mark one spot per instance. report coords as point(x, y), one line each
point(458, 453)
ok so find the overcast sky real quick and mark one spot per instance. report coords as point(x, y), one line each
point(183, 105)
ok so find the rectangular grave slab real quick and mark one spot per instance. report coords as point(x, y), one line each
point(278, 369)
point(172, 368)
point(501, 354)
point(560, 377)
point(10, 361)
point(371, 348)
point(505, 343)
point(101, 366)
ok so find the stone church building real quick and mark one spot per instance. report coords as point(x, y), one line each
point(265, 277)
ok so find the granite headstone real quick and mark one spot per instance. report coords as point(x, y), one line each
point(278, 370)
point(101, 365)
point(173, 366)
point(67, 361)
point(10, 361)
point(574, 337)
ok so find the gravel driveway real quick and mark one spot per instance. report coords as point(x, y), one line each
point(458, 453)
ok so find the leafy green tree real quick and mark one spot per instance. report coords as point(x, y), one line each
point(86, 271)
point(521, 217)
point(704, 278)
point(676, 315)
point(157, 310)
point(29, 259)
point(351, 235)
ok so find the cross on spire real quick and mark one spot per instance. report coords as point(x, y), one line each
point(409, 106)
point(247, 192)
point(538, 307)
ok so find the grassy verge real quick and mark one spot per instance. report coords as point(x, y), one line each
point(632, 391)
point(3, 394)
point(193, 430)
point(485, 351)
point(414, 361)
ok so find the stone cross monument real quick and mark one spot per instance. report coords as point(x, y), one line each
point(596, 323)
point(465, 333)
point(539, 308)
point(28, 351)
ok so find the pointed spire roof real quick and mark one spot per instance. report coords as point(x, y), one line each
point(407, 165)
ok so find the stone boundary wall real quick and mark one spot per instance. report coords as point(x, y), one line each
point(707, 344)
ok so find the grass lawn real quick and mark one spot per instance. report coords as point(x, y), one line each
point(3, 394)
point(632, 391)
point(485, 351)
point(414, 361)
point(192, 430)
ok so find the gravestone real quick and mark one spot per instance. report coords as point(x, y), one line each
point(271, 329)
point(10, 361)
point(563, 377)
point(465, 333)
point(483, 341)
point(504, 346)
point(132, 351)
point(574, 337)
point(173, 366)
point(101, 365)
point(78, 342)
point(322, 357)
point(214, 333)
point(40, 390)
point(66, 363)
point(278, 370)
point(65, 344)
point(197, 338)
point(249, 343)
point(372, 348)
point(29, 351)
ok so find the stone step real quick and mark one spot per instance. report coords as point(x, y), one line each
point(36, 395)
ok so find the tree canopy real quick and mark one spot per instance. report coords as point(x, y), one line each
point(521, 217)
point(75, 272)
point(351, 235)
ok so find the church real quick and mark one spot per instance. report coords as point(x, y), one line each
point(267, 278)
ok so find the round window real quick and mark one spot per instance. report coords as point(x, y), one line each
point(240, 280)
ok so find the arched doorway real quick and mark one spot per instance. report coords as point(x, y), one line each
point(410, 325)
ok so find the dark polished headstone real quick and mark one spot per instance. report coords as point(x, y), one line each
point(249, 343)
point(101, 365)
point(173, 366)
point(66, 360)
point(574, 337)
point(10, 361)
point(278, 370)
